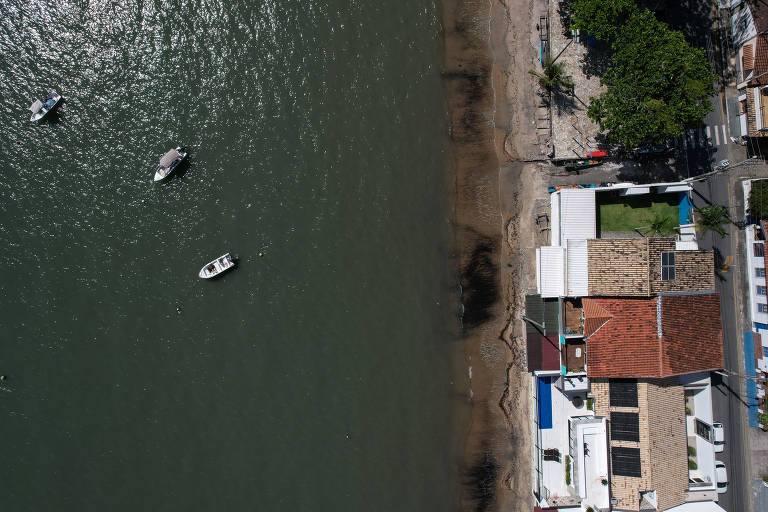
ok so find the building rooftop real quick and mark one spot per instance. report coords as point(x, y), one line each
point(632, 267)
point(653, 337)
point(543, 351)
point(649, 468)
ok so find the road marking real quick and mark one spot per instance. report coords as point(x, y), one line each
point(717, 138)
point(725, 135)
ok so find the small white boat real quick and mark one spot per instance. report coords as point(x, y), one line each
point(170, 161)
point(217, 266)
point(40, 109)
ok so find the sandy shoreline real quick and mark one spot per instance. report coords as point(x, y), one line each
point(490, 98)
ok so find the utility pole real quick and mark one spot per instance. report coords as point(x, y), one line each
point(720, 169)
point(728, 373)
point(542, 326)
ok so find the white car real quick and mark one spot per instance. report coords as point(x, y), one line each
point(718, 435)
point(721, 477)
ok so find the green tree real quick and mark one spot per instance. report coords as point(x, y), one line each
point(712, 218)
point(656, 84)
point(659, 225)
point(601, 18)
point(758, 201)
point(553, 77)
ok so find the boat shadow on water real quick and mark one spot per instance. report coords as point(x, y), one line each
point(53, 117)
point(180, 172)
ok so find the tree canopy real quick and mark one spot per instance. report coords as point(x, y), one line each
point(601, 18)
point(758, 201)
point(712, 218)
point(656, 84)
point(553, 77)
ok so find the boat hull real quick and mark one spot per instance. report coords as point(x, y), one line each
point(159, 176)
point(217, 267)
point(43, 113)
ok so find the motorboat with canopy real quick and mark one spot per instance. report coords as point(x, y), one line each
point(170, 161)
point(40, 109)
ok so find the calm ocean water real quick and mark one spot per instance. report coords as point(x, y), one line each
point(317, 377)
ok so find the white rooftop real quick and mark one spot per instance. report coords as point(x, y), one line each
point(587, 468)
point(574, 214)
point(550, 271)
point(577, 268)
point(697, 506)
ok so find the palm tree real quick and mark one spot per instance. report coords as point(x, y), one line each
point(659, 225)
point(553, 77)
point(712, 218)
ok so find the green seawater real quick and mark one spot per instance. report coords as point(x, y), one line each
point(317, 377)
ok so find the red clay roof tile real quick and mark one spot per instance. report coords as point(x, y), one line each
point(628, 345)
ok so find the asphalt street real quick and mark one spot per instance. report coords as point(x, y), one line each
point(728, 392)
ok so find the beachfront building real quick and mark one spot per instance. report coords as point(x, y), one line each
point(570, 450)
point(611, 344)
point(607, 235)
point(594, 442)
point(647, 360)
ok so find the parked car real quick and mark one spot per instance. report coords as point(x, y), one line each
point(719, 436)
point(649, 150)
point(721, 477)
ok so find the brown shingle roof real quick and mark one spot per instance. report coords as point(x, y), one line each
point(693, 338)
point(747, 58)
point(631, 267)
point(618, 267)
point(632, 344)
point(668, 470)
point(759, 10)
point(761, 61)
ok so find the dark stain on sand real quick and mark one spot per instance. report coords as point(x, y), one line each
point(480, 283)
point(480, 480)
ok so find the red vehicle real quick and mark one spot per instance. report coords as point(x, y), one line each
point(600, 153)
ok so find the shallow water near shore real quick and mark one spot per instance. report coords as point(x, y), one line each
point(317, 377)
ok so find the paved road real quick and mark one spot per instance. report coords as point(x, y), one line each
point(704, 146)
point(728, 396)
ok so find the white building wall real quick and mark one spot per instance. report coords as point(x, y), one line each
point(577, 268)
point(577, 215)
point(753, 264)
point(550, 271)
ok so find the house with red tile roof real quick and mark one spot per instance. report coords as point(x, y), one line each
point(653, 337)
point(750, 33)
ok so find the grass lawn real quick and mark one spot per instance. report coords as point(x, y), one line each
point(625, 213)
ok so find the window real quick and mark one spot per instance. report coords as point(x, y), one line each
point(765, 352)
point(625, 461)
point(625, 426)
point(667, 266)
point(703, 430)
point(762, 308)
point(760, 290)
point(623, 392)
point(759, 272)
point(757, 249)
